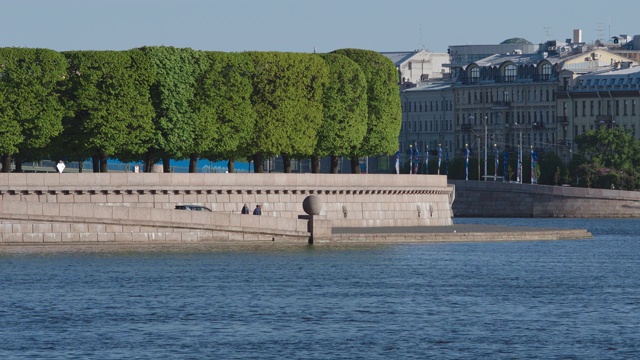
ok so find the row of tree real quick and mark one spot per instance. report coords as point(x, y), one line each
point(153, 104)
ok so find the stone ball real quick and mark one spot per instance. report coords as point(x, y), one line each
point(312, 205)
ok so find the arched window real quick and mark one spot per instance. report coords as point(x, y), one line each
point(545, 72)
point(510, 73)
point(475, 74)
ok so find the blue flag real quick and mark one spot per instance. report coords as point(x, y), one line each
point(466, 163)
point(439, 157)
point(504, 168)
point(415, 163)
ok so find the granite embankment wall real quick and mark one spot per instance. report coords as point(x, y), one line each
point(497, 199)
point(88, 207)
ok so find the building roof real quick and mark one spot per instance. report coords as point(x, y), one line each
point(399, 57)
point(517, 59)
point(431, 86)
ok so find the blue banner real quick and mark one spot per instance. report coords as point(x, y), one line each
point(497, 161)
point(466, 163)
point(504, 168)
point(439, 157)
point(415, 163)
point(446, 162)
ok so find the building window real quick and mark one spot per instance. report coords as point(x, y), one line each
point(591, 107)
point(633, 107)
point(510, 73)
point(625, 107)
point(546, 72)
point(584, 108)
point(617, 107)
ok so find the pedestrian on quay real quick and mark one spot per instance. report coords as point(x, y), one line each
point(245, 209)
point(257, 210)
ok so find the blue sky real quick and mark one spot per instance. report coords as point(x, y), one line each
point(302, 25)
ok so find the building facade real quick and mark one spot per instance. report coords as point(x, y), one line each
point(427, 119)
point(608, 99)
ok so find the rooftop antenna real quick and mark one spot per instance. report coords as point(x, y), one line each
point(547, 32)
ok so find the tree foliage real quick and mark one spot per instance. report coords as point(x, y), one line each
point(110, 112)
point(30, 108)
point(611, 148)
point(287, 92)
point(344, 102)
point(225, 117)
point(383, 102)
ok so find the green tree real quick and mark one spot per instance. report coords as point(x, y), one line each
point(551, 167)
point(173, 85)
point(30, 108)
point(383, 104)
point(287, 94)
point(611, 148)
point(224, 114)
point(110, 109)
point(344, 103)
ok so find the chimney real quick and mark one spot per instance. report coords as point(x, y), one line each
point(577, 36)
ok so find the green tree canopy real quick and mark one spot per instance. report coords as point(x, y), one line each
point(174, 75)
point(224, 114)
point(30, 108)
point(383, 102)
point(344, 103)
point(287, 93)
point(611, 148)
point(111, 112)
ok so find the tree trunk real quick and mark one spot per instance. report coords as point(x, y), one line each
point(18, 163)
point(166, 164)
point(286, 163)
point(355, 165)
point(104, 167)
point(231, 166)
point(6, 163)
point(335, 164)
point(96, 163)
point(258, 167)
point(149, 161)
point(193, 163)
point(315, 164)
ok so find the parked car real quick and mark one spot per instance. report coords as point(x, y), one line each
point(193, 208)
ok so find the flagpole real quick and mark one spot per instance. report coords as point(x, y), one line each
point(466, 167)
point(410, 159)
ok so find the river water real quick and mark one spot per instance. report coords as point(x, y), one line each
point(538, 299)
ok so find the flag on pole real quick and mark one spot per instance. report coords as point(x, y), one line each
point(519, 173)
point(416, 163)
point(398, 162)
point(504, 168)
point(410, 159)
point(446, 161)
point(466, 163)
point(497, 158)
point(534, 161)
point(439, 157)
point(426, 161)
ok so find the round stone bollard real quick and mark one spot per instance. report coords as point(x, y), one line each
point(312, 205)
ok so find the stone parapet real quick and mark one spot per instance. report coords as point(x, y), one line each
point(350, 199)
point(496, 199)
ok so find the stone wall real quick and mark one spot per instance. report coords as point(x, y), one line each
point(497, 199)
point(350, 200)
point(130, 207)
